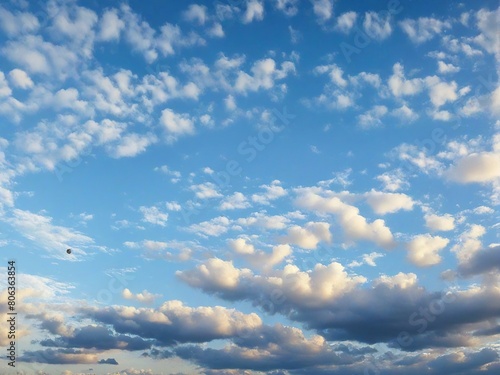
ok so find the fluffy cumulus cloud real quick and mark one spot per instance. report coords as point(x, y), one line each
point(173, 322)
point(259, 258)
point(254, 11)
point(291, 286)
point(264, 74)
point(377, 25)
point(20, 78)
point(423, 250)
point(309, 236)
point(476, 167)
point(332, 302)
point(235, 201)
point(355, 226)
point(323, 9)
point(383, 203)
point(153, 215)
point(176, 124)
point(271, 192)
point(144, 296)
point(424, 28)
point(400, 86)
point(346, 21)
point(439, 223)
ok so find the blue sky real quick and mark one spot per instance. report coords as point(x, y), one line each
point(251, 187)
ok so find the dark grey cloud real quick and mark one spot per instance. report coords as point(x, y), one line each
point(394, 310)
point(482, 362)
point(109, 361)
point(270, 348)
point(173, 323)
point(483, 261)
point(58, 356)
point(100, 338)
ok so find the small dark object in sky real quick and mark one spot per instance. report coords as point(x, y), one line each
point(68, 251)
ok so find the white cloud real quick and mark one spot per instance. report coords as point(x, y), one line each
point(206, 190)
point(132, 145)
point(295, 35)
point(346, 21)
point(377, 26)
point(110, 26)
point(196, 13)
point(76, 24)
point(19, 78)
point(323, 9)
point(322, 285)
point(469, 243)
point(355, 226)
point(405, 113)
point(230, 103)
point(264, 74)
point(441, 115)
point(368, 259)
point(254, 11)
point(439, 223)
point(423, 250)
point(481, 210)
point(400, 86)
point(260, 219)
point(495, 102)
point(19, 23)
point(143, 297)
point(139, 34)
point(334, 72)
point(208, 170)
point(384, 203)
point(372, 117)
point(418, 157)
point(4, 86)
point(235, 201)
point(175, 175)
point(173, 206)
point(216, 31)
point(241, 247)
point(214, 227)
point(309, 236)
point(153, 215)
point(476, 167)
point(423, 29)
point(447, 68)
point(288, 7)
point(394, 180)
point(214, 274)
point(487, 23)
point(176, 124)
point(442, 92)
point(272, 192)
point(401, 280)
point(259, 258)
point(44, 234)
point(38, 56)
